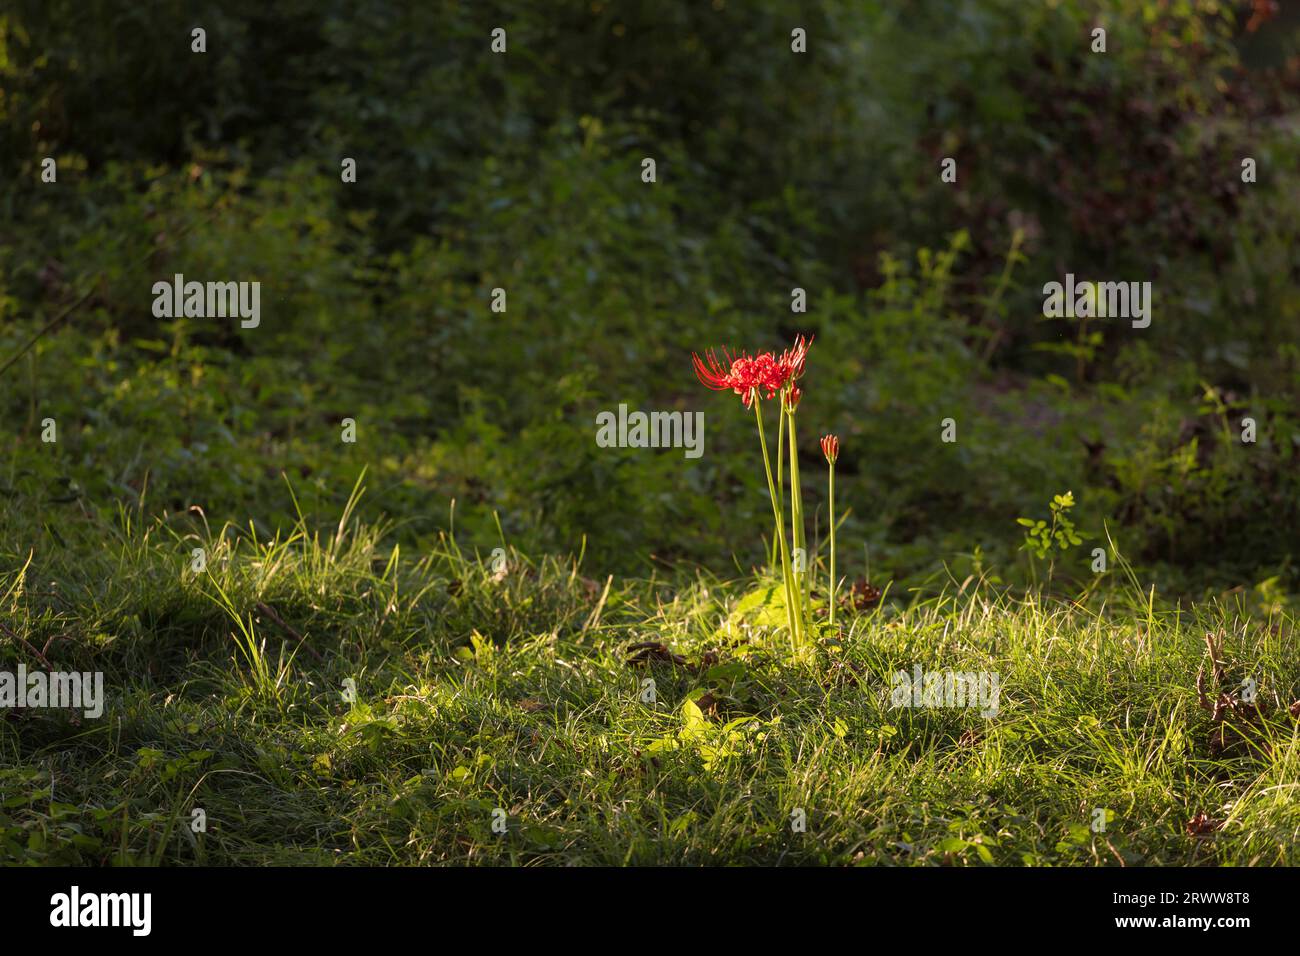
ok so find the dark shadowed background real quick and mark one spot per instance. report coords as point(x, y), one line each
point(776, 170)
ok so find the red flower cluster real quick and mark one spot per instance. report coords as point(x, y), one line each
point(794, 358)
point(747, 375)
point(743, 374)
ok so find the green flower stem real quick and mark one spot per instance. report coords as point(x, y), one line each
point(780, 482)
point(831, 465)
point(796, 516)
point(791, 618)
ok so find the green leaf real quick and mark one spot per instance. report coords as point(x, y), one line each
point(730, 671)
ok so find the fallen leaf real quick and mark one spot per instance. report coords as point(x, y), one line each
point(1202, 825)
point(861, 596)
point(653, 652)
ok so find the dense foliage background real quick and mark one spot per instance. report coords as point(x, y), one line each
point(775, 170)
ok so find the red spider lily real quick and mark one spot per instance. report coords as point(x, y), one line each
point(794, 358)
point(831, 448)
point(743, 374)
point(765, 376)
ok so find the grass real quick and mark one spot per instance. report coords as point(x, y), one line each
point(506, 696)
